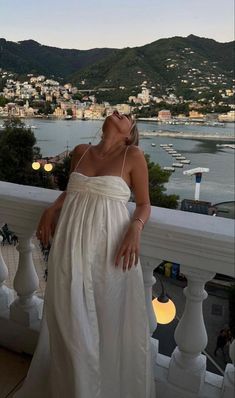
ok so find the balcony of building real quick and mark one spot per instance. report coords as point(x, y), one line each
point(203, 245)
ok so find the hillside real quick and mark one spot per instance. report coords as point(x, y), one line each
point(163, 63)
point(180, 63)
point(31, 57)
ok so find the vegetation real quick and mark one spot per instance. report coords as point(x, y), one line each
point(114, 96)
point(3, 101)
point(232, 309)
point(157, 178)
point(153, 109)
point(28, 56)
point(17, 153)
point(61, 173)
point(128, 67)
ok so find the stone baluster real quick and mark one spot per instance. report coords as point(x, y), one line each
point(188, 366)
point(6, 294)
point(228, 389)
point(148, 265)
point(27, 307)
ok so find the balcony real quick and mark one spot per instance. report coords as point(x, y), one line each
point(203, 245)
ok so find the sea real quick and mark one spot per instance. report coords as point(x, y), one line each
point(54, 136)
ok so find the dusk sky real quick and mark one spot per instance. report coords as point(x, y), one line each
point(106, 23)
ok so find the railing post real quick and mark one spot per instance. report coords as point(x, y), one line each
point(148, 266)
point(188, 366)
point(27, 307)
point(229, 375)
point(6, 294)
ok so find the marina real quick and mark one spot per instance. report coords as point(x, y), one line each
point(54, 136)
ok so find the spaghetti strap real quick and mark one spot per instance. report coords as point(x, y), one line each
point(84, 153)
point(124, 159)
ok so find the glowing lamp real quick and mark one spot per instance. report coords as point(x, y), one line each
point(163, 306)
point(48, 167)
point(164, 311)
point(36, 165)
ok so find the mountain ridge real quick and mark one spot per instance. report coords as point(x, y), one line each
point(162, 63)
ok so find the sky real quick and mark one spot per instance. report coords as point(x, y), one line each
point(85, 24)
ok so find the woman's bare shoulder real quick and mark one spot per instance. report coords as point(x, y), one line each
point(79, 149)
point(134, 152)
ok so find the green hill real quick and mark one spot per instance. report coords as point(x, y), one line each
point(31, 57)
point(179, 63)
point(163, 63)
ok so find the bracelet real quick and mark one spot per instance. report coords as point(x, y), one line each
point(140, 220)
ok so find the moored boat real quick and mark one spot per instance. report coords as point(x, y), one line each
point(185, 161)
point(177, 165)
point(169, 168)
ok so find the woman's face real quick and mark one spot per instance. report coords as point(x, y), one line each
point(119, 122)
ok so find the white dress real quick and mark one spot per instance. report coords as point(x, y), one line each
point(94, 340)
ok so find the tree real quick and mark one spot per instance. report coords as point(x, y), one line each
point(3, 101)
point(157, 179)
point(69, 112)
point(232, 309)
point(17, 153)
point(61, 173)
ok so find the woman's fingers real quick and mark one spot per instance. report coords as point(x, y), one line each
point(136, 256)
point(130, 257)
point(126, 260)
point(43, 232)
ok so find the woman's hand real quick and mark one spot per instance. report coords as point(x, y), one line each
point(46, 226)
point(129, 248)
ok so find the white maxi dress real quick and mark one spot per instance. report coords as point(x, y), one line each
point(94, 340)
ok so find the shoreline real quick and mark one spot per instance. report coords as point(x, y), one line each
point(199, 137)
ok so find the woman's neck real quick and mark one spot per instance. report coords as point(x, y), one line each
point(109, 145)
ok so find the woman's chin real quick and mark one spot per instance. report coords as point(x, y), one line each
point(109, 121)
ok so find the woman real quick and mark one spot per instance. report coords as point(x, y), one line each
point(94, 341)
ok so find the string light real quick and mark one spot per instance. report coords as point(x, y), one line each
point(36, 165)
point(48, 167)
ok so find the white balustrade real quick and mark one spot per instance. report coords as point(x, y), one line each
point(188, 366)
point(148, 266)
point(26, 308)
point(229, 375)
point(6, 294)
point(203, 245)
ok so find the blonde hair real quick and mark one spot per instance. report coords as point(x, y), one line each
point(134, 132)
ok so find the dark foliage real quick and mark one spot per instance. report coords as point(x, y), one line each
point(17, 153)
point(157, 179)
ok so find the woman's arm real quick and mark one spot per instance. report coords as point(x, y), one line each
point(130, 245)
point(48, 220)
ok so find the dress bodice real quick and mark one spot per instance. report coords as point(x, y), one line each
point(113, 187)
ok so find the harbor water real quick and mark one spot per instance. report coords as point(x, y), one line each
point(53, 136)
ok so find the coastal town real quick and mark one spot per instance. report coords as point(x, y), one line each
point(39, 96)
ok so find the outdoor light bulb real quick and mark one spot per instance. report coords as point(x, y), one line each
point(36, 165)
point(48, 167)
point(164, 312)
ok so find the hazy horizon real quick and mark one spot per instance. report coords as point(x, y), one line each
point(72, 48)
